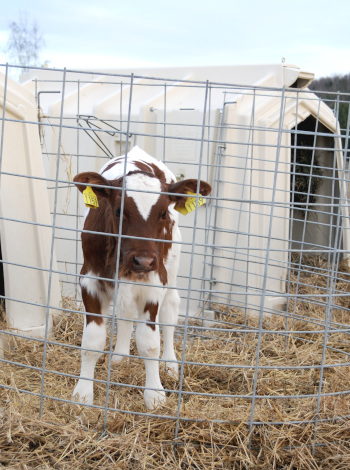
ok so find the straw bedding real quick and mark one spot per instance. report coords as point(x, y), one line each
point(213, 431)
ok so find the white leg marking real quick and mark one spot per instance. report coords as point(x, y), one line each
point(122, 347)
point(169, 312)
point(94, 337)
point(126, 310)
point(89, 283)
point(148, 345)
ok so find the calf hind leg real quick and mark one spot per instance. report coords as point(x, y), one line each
point(168, 315)
point(126, 311)
point(122, 347)
point(148, 345)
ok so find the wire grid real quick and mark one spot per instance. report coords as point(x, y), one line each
point(278, 211)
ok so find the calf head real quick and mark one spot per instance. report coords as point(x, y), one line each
point(144, 213)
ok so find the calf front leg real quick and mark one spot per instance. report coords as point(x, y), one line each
point(148, 345)
point(93, 343)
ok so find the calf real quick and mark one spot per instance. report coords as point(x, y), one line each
point(148, 264)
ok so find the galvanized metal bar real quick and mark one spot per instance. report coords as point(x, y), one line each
point(52, 248)
point(186, 327)
point(116, 285)
point(268, 248)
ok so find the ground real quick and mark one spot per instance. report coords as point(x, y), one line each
point(215, 408)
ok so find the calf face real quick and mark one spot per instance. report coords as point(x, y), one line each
point(141, 221)
point(144, 213)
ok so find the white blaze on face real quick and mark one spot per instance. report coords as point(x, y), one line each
point(144, 201)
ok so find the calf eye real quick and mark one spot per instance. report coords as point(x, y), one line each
point(164, 214)
point(118, 212)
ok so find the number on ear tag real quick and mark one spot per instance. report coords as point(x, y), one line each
point(191, 204)
point(90, 198)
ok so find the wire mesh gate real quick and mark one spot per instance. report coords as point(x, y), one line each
point(263, 337)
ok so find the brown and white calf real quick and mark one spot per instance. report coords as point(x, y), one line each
point(148, 257)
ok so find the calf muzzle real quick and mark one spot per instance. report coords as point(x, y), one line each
point(143, 263)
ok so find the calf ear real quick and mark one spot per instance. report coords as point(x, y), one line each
point(185, 187)
point(89, 178)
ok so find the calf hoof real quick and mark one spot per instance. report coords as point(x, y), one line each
point(84, 393)
point(172, 369)
point(154, 398)
point(117, 358)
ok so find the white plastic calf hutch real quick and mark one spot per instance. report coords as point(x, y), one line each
point(29, 268)
point(241, 138)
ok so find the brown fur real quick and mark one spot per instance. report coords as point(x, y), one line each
point(100, 250)
point(152, 308)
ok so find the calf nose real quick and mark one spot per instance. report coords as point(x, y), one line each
point(143, 263)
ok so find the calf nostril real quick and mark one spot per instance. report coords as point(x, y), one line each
point(136, 261)
point(143, 262)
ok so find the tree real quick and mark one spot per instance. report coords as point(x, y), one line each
point(24, 42)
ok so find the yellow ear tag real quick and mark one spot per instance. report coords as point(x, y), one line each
point(90, 198)
point(191, 204)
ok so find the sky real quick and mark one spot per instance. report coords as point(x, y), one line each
point(114, 34)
